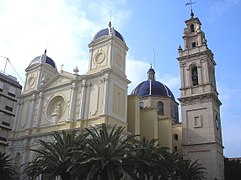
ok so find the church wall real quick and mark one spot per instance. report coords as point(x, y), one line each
point(165, 132)
point(118, 55)
point(37, 75)
point(56, 106)
point(117, 98)
point(205, 153)
point(148, 124)
point(198, 125)
point(99, 57)
point(217, 124)
point(170, 106)
point(25, 106)
point(95, 104)
point(31, 81)
point(113, 121)
point(78, 101)
point(133, 117)
point(177, 141)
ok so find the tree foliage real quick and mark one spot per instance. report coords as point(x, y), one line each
point(232, 169)
point(108, 153)
point(7, 169)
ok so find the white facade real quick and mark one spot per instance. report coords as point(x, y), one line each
point(53, 100)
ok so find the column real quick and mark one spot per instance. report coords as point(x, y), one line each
point(87, 100)
point(17, 115)
point(83, 90)
point(32, 106)
point(106, 94)
point(72, 102)
point(39, 114)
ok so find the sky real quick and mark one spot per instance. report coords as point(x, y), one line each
point(152, 30)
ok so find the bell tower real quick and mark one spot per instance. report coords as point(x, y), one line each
point(200, 105)
point(107, 84)
point(108, 51)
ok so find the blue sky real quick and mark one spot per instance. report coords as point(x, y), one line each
point(66, 27)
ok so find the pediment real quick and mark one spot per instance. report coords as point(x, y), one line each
point(59, 80)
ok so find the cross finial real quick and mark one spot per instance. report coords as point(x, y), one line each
point(110, 21)
point(190, 3)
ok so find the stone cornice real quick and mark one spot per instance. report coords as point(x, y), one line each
point(202, 98)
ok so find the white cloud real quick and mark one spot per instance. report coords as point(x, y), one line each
point(136, 71)
point(63, 27)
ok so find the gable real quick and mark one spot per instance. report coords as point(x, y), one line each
point(59, 80)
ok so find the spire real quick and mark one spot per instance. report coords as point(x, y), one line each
point(192, 14)
point(190, 3)
point(110, 28)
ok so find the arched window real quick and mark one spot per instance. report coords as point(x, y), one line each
point(160, 108)
point(175, 148)
point(173, 112)
point(192, 27)
point(194, 76)
point(175, 136)
point(142, 105)
point(193, 44)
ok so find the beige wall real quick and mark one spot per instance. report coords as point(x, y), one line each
point(147, 123)
point(133, 116)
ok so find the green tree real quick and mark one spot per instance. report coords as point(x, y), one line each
point(7, 169)
point(149, 160)
point(108, 153)
point(53, 159)
point(104, 155)
point(232, 169)
point(190, 170)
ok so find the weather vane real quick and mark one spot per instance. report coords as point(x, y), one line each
point(190, 3)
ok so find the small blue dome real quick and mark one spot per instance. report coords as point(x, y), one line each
point(107, 32)
point(152, 88)
point(43, 59)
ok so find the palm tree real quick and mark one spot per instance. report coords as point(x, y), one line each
point(190, 170)
point(53, 159)
point(7, 169)
point(149, 160)
point(106, 150)
point(105, 153)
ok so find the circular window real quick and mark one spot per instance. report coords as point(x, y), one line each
point(99, 58)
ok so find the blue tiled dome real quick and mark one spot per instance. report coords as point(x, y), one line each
point(151, 87)
point(43, 59)
point(107, 32)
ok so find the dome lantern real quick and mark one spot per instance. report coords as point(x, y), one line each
point(43, 59)
point(151, 87)
point(151, 73)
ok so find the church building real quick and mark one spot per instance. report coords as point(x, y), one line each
point(55, 100)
